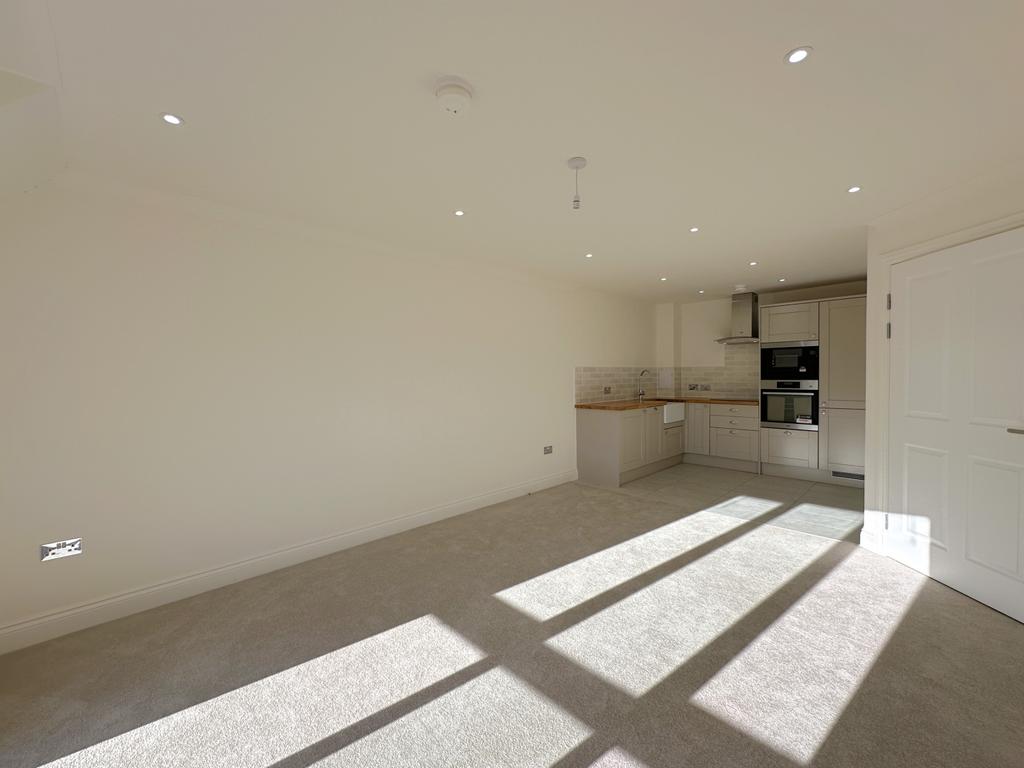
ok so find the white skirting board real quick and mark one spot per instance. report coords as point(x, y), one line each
point(57, 623)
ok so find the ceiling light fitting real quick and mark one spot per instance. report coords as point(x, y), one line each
point(753, 263)
point(172, 119)
point(577, 164)
point(460, 213)
point(798, 54)
point(851, 190)
point(695, 229)
point(589, 256)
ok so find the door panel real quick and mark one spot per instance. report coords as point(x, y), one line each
point(926, 492)
point(956, 470)
point(995, 509)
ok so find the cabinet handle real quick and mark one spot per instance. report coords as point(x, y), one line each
point(732, 431)
point(788, 433)
point(731, 421)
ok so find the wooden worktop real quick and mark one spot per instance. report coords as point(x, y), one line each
point(628, 405)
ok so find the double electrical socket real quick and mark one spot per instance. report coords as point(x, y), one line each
point(58, 549)
point(548, 449)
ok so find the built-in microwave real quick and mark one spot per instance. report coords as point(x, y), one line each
point(794, 407)
point(789, 361)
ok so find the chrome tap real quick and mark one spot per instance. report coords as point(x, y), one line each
point(640, 390)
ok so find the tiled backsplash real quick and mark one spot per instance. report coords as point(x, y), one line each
point(737, 378)
point(621, 383)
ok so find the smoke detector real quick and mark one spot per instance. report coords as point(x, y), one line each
point(454, 95)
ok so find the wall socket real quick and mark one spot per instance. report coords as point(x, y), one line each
point(59, 549)
point(693, 387)
point(705, 387)
point(607, 390)
point(548, 449)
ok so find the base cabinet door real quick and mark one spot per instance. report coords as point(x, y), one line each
point(739, 444)
point(672, 441)
point(842, 440)
point(631, 440)
point(789, 447)
point(697, 427)
point(653, 423)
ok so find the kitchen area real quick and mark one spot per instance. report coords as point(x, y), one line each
point(771, 385)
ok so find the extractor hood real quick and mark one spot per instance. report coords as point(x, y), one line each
point(744, 320)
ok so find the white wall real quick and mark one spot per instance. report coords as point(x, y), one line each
point(981, 207)
point(700, 324)
point(190, 387)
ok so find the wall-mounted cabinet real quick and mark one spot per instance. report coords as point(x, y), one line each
point(789, 322)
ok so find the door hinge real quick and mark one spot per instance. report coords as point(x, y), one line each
point(888, 301)
point(888, 330)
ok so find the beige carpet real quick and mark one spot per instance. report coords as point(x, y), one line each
point(699, 617)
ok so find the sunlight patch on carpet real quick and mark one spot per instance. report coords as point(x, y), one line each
point(789, 687)
point(637, 642)
point(265, 721)
point(494, 720)
point(559, 590)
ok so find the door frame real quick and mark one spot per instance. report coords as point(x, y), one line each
point(878, 393)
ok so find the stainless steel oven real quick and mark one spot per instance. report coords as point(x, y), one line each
point(793, 405)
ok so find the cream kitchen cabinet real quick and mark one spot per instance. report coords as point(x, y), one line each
point(790, 447)
point(698, 423)
point(615, 446)
point(789, 322)
point(843, 353)
point(841, 442)
point(632, 439)
point(673, 441)
point(739, 444)
point(654, 424)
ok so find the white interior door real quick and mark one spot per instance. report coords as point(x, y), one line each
point(956, 451)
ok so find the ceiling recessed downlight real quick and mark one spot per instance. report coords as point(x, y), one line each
point(782, 279)
point(663, 279)
point(798, 54)
point(701, 291)
point(753, 263)
point(460, 213)
point(172, 119)
point(695, 229)
point(853, 189)
point(589, 256)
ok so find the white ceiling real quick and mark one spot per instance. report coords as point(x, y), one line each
point(324, 110)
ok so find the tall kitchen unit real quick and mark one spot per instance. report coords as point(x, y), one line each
point(843, 324)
